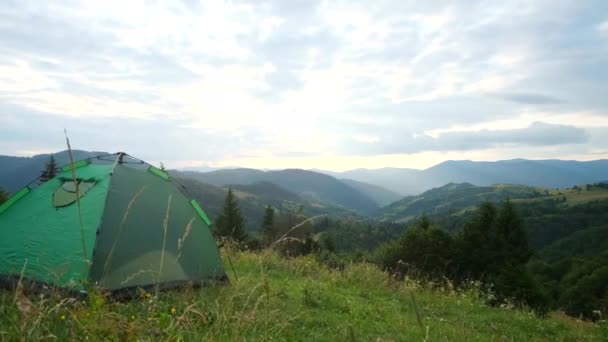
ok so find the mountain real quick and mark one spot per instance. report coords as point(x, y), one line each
point(267, 191)
point(199, 168)
point(584, 243)
point(452, 198)
point(224, 177)
point(253, 199)
point(550, 214)
point(17, 172)
point(542, 173)
point(309, 185)
point(379, 194)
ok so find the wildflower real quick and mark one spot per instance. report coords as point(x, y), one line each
point(63, 317)
point(173, 310)
point(132, 316)
point(148, 295)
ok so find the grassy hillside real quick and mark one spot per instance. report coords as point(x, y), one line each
point(289, 299)
point(566, 229)
point(452, 199)
point(550, 214)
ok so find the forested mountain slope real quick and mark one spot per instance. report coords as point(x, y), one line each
point(309, 185)
point(537, 173)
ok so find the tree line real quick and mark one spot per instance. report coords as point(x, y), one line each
point(491, 250)
point(289, 231)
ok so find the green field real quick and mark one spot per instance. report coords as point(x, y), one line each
point(272, 298)
point(456, 199)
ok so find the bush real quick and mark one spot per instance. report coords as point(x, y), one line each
point(422, 251)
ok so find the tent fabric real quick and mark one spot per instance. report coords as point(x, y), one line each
point(124, 257)
point(32, 230)
point(17, 196)
point(67, 193)
point(139, 230)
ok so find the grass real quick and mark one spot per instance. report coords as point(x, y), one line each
point(575, 197)
point(289, 299)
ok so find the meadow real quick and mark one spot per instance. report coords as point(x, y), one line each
point(272, 298)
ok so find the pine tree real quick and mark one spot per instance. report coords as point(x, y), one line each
point(162, 166)
point(3, 196)
point(327, 242)
point(510, 230)
point(494, 249)
point(49, 171)
point(478, 253)
point(230, 223)
point(268, 228)
point(422, 249)
point(424, 223)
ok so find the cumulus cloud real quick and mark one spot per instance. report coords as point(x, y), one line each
point(536, 134)
point(527, 98)
point(603, 28)
point(295, 79)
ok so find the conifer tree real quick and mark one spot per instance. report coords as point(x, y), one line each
point(423, 249)
point(424, 223)
point(268, 226)
point(230, 223)
point(478, 243)
point(510, 230)
point(327, 242)
point(494, 249)
point(49, 171)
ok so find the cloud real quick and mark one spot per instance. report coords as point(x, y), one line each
point(603, 28)
point(535, 135)
point(528, 98)
point(295, 79)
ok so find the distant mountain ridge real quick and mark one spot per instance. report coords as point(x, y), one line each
point(361, 190)
point(309, 185)
point(379, 194)
point(253, 199)
point(539, 173)
point(16, 172)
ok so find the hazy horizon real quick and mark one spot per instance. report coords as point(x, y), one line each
point(206, 168)
point(332, 85)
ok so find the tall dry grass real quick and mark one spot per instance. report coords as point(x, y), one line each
point(162, 252)
point(85, 255)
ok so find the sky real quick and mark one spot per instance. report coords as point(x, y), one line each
point(330, 85)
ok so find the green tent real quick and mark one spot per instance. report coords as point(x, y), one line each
point(122, 225)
